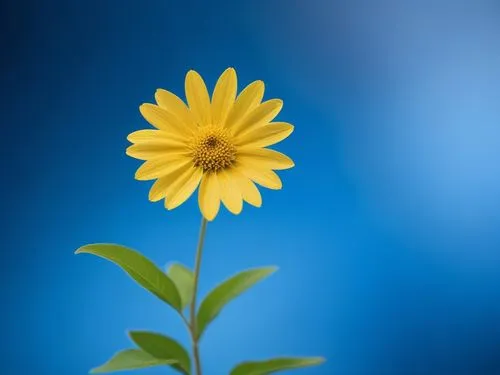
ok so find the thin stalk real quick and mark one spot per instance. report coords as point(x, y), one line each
point(192, 325)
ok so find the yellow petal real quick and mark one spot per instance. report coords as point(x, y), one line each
point(161, 166)
point(163, 120)
point(198, 98)
point(230, 192)
point(146, 151)
point(209, 196)
point(249, 191)
point(248, 99)
point(156, 136)
point(151, 143)
point(223, 96)
point(159, 189)
point(183, 188)
point(266, 158)
point(261, 115)
point(265, 135)
point(261, 176)
point(173, 104)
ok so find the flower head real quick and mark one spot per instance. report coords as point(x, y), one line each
point(219, 144)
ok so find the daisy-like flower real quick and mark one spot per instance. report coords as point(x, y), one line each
point(218, 144)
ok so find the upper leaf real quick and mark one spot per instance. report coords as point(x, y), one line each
point(131, 359)
point(225, 292)
point(140, 268)
point(183, 279)
point(275, 365)
point(164, 348)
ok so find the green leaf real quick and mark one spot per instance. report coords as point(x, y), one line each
point(164, 348)
point(140, 268)
point(274, 365)
point(131, 359)
point(183, 279)
point(227, 291)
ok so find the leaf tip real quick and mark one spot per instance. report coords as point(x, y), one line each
point(131, 334)
point(80, 250)
point(91, 248)
point(88, 248)
point(135, 335)
point(272, 269)
point(315, 361)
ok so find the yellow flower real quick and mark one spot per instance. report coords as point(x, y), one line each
point(218, 143)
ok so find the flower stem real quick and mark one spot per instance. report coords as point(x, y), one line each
point(193, 328)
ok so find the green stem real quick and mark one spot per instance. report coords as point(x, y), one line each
point(193, 328)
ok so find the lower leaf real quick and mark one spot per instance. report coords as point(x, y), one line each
point(275, 365)
point(131, 359)
point(164, 348)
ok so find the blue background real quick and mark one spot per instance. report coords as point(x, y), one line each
point(386, 232)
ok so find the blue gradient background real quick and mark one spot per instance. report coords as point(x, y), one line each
point(386, 232)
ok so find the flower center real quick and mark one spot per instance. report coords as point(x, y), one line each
point(212, 149)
